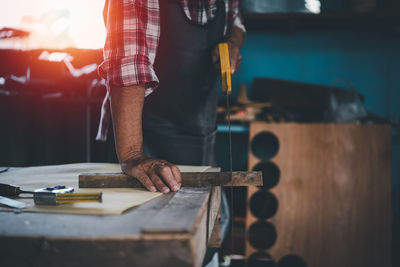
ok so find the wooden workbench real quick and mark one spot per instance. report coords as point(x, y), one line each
point(171, 230)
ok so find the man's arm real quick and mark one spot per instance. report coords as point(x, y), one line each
point(128, 71)
point(234, 36)
point(126, 107)
point(235, 39)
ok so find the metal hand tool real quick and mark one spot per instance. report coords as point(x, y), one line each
point(9, 190)
point(59, 194)
point(227, 90)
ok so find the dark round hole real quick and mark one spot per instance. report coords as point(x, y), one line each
point(270, 173)
point(291, 261)
point(260, 259)
point(265, 145)
point(263, 204)
point(262, 235)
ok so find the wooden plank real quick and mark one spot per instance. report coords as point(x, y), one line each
point(41, 251)
point(194, 225)
point(72, 240)
point(202, 222)
point(180, 213)
point(189, 179)
point(205, 224)
point(52, 225)
point(214, 206)
point(198, 243)
point(334, 194)
point(116, 201)
point(193, 238)
point(215, 240)
point(213, 169)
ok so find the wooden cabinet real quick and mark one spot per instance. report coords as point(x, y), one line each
point(329, 196)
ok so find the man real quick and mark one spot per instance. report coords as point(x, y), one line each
point(159, 60)
point(159, 67)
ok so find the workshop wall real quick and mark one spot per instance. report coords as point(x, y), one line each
point(370, 61)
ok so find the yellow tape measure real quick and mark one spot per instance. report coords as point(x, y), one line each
point(225, 68)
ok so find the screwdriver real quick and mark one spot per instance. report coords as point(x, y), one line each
point(9, 190)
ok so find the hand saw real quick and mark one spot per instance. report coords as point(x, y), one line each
point(226, 85)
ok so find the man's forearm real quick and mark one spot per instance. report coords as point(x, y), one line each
point(126, 107)
point(236, 36)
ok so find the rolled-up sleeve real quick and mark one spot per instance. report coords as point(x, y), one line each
point(133, 32)
point(234, 16)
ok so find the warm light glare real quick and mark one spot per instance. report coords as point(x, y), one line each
point(314, 6)
point(55, 23)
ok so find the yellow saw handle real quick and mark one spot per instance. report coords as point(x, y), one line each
point(225, 68)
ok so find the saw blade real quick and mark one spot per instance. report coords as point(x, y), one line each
point(227, 89)
point(229, 131)
point(226, 85)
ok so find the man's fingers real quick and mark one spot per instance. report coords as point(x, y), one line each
point(158, 182)
point(238, 62)
point(154, 174)
point(177, 174)
point(235, 58)
point(145, 180)
point(233, 66)
point(165, 172)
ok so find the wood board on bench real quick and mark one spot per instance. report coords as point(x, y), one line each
point(115, 200)
point(38, 239)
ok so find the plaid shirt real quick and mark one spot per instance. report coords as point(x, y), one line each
point(133, 32)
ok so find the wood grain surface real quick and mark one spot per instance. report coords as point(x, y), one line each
point(334, 193)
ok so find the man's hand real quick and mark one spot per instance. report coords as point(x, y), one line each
point(235, 39)
point(153, 173)
point(235, 57)
point(126, 106)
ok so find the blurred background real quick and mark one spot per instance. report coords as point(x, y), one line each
point(328, 61)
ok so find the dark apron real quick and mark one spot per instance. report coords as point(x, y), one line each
point(179, 117)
